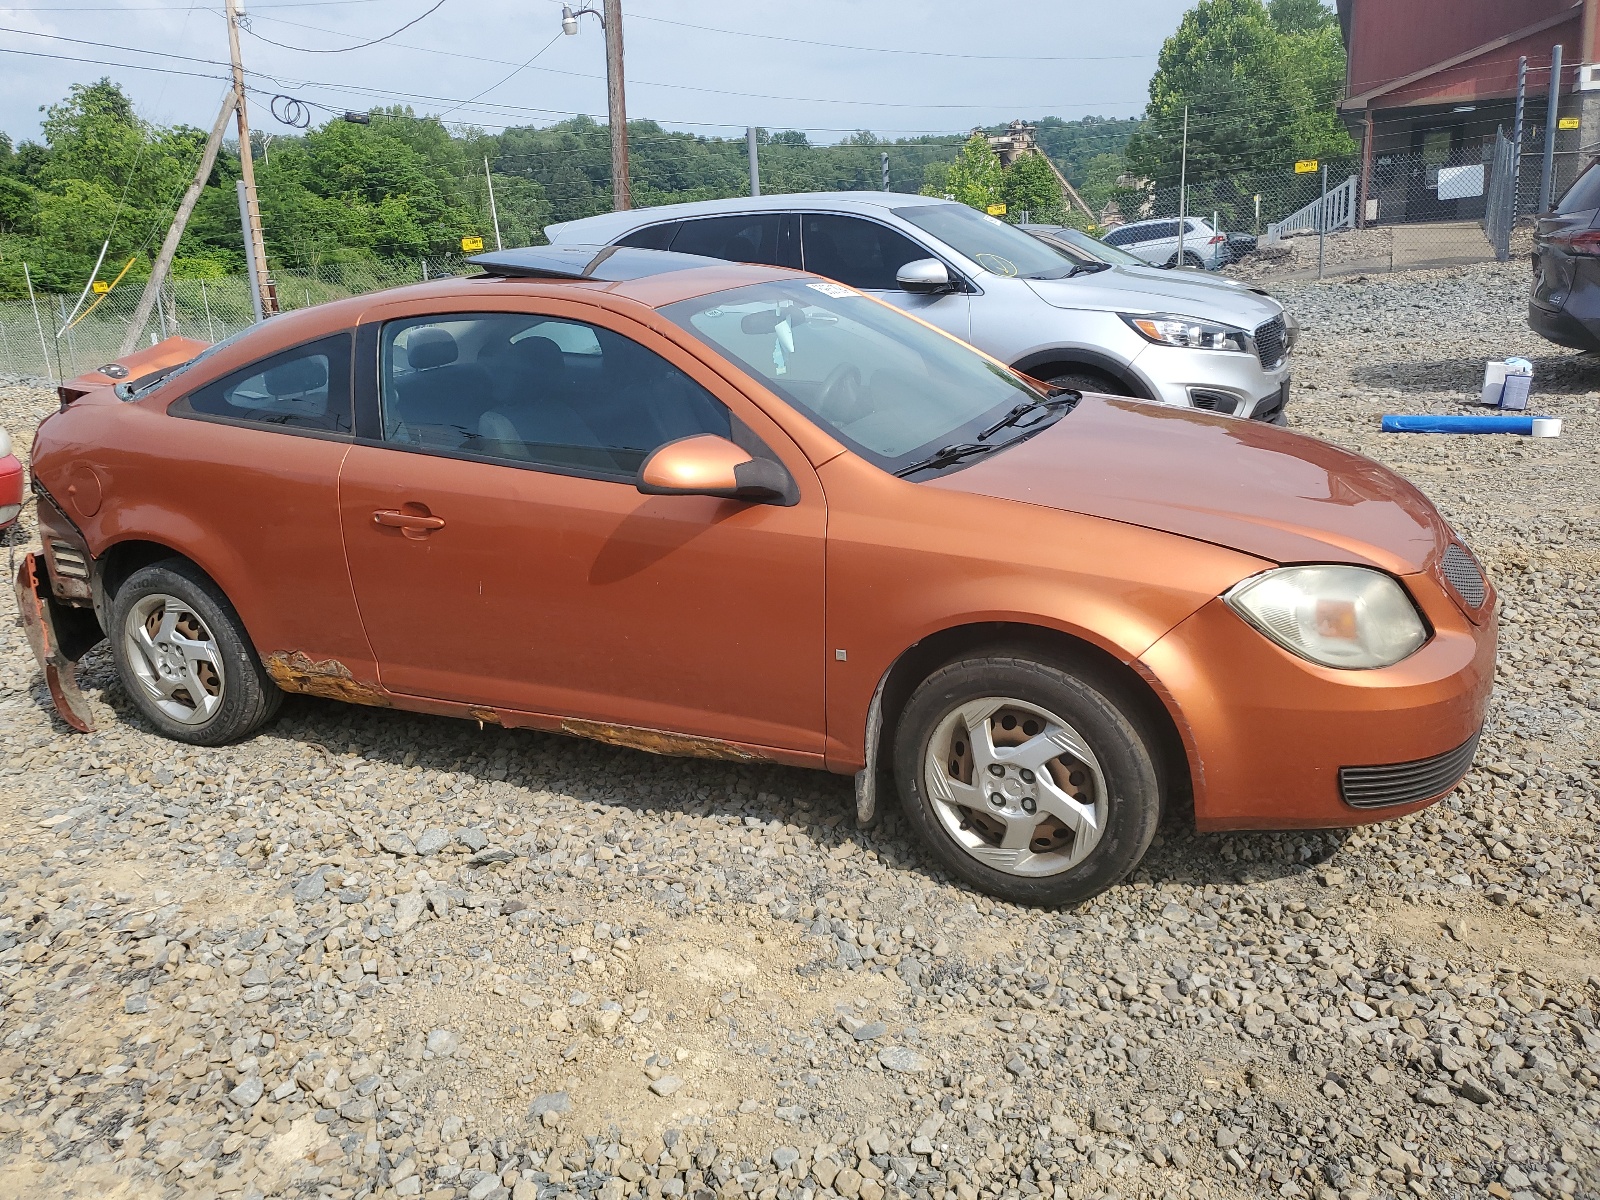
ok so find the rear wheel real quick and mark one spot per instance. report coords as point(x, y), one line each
point(1027, 781)
point(184, 658)
point(1190, 259)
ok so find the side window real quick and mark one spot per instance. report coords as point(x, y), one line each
point(651, 237)
point(751, 238)
point(307, 387)
point(1120, 236)
point(542, 391)
point(861, 254)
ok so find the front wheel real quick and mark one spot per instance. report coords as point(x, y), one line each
point(1027, 781)
point(185, 659)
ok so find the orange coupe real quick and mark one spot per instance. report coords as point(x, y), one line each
point(710, 509)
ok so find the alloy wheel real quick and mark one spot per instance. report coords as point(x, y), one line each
point(1015, 786)
point(174, 657)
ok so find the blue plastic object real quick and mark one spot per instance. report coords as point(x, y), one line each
point(1445, 424)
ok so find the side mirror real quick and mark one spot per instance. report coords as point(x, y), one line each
point(708, 465)
point(924, 276)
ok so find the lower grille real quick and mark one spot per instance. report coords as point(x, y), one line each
point(1464, 574)
point(1271, 340)
point(1406, 783)
point(1217, 402)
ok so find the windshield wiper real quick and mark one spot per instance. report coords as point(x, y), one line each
point(946, 456)
point(1089, 268)
point(1063, 398)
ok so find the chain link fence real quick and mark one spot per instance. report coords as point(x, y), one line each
point(41, 340)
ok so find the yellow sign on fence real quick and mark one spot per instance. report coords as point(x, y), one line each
point(1567, 123)
point(100, 287)
point(470, 244)
point(996, 210)
point(1306, 166)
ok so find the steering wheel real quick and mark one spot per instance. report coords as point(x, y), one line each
point(841, 398)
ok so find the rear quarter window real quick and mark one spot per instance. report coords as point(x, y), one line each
point(305, 389)
point(1584, 194)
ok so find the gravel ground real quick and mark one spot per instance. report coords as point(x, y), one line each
point(368, 953)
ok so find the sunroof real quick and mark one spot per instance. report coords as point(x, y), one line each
point(606, 264)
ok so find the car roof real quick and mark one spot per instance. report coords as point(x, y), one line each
point(603, 264)
point(607, 227)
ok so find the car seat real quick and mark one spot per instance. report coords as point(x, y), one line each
point(442, 402)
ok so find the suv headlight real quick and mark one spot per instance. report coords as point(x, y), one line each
point(1190, 333)
point(1335, 616)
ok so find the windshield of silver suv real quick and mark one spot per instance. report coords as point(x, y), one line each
point(892, 389)
point(992, 244)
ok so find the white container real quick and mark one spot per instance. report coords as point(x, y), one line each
point(1494, 382)
point(1547, 427)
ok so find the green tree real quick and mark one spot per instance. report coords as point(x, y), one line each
point(1029, 186)
point(976, 175)
point(1260, 88)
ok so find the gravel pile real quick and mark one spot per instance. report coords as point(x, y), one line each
point(373, 954)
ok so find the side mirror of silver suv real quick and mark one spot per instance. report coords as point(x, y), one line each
point(923, 276)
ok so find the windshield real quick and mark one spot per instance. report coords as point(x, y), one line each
point(889, 387)
point(1097, 248)
point(995, 246)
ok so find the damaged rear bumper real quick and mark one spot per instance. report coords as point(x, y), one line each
point(60, 635)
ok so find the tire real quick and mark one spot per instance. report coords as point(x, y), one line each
point(1190, 259)
point(1110, 773)
point(185, 659)
point(1089, 381)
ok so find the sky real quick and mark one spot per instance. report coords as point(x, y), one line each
point(892, 66)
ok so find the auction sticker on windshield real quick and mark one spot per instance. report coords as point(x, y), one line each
point(837, 290)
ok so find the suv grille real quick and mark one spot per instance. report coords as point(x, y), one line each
point(1271, 339)
point(1406, 783)
point(1464, 574)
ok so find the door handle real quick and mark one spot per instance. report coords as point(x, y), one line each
point(411, 524)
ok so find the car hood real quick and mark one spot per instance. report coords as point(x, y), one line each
point(1245, 485)
point(1137, 290)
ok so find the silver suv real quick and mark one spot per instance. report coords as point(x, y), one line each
point(1177, 337)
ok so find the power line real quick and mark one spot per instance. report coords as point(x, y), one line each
point(773, 37)
point(343, 49)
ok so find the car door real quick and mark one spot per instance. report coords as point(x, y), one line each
point(866, 255)
point(502, 556)
point(769, 238)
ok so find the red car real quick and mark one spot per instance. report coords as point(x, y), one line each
point(701, 508)
point(10, 484)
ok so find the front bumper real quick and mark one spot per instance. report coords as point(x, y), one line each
point(1268, 734)
point(1178, 376)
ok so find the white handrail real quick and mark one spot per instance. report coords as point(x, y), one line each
point(1336, 210)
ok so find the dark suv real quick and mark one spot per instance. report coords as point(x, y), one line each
point(1565, 306)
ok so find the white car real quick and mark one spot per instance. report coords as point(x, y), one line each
point(1157, 242)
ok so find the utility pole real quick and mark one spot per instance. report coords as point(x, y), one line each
point(1183, 186)
point(621, 198)
point(169, 247)
point(1547, 171)
point(752, 154)
point(883, 161)
point(267, 294)
point(494, 215)
point(257, 304)
point(611, 21)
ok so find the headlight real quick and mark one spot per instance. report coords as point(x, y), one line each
point(1191, 333)
point(1346, 617)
